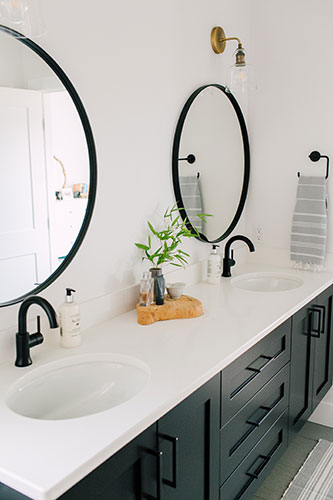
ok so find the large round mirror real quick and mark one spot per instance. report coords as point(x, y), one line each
point(48, 169)
point(211, 162)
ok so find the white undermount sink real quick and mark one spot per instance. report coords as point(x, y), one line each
point(77, 386)
point(266, 282)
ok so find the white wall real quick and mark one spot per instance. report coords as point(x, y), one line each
point(292, 110)
point(134, 64)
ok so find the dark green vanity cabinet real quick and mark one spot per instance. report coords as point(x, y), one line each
point(254, 414)
point(188, 436)
point(130, 474)
point(175, 459)
point(312, 358)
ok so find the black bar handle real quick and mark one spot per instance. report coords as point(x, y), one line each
point(323, 309)
point(158, 455)
point(267, 360)
point(174, 440)
point(312, 331)
point(265, 459)
point(266, 409)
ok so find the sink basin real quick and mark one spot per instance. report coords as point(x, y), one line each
point(77, 386)
point(266, 282)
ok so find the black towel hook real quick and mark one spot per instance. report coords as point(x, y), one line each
point(316, 156)
point(190, 159)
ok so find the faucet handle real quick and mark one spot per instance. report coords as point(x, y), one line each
point(36, 338)
point(232, 260)
point(38, 324)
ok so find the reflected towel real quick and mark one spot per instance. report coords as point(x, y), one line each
point(190, 189)
point(309, 225)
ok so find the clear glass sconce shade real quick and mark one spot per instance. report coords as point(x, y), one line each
point(241, 76)
point(24, 16)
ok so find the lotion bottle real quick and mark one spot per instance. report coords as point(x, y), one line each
point(214, 267)
point(70, 335)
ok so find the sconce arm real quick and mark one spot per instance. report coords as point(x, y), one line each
point(232, 38)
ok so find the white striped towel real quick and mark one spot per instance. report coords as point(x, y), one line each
point(309, 225)
point(191, 195)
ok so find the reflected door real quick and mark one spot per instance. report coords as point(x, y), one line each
point(24, 238)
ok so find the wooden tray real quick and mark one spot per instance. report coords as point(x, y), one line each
point(182, 308)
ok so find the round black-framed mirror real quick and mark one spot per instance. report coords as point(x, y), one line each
point(211, 145)
point(78, 199)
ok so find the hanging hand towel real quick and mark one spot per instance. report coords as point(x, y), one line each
point(309, 226)
point(192, 199)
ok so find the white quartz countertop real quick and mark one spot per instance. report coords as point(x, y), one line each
point(44, 458)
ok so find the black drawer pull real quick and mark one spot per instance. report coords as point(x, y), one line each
point(174, 441)
point(266, 410)
point(323, 309)
point(258, 469)
point(267, 360)
point(262, 417)
point(312, 331)
point(158, 455)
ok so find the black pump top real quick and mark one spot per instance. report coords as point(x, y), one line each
point(69, 297)
point(215, 247)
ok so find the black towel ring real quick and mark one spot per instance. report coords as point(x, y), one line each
point(316, 156)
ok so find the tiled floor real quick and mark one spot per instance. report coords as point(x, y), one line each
point(291, 461)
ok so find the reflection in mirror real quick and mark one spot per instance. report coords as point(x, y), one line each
point(211, 162)
point(45, 170)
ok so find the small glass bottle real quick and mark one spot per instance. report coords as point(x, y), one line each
point(159, 285)
point(146, 290)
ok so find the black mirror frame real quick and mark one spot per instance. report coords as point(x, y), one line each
point(92, 161)
point(175, 162)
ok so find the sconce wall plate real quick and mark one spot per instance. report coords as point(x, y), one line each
point(218, 39)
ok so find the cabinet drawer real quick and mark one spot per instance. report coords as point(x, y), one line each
point(246, 479)
point(251, 371)
point(239, 436)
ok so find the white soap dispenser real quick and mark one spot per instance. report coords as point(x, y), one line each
point(70, 335)
point(214, 267)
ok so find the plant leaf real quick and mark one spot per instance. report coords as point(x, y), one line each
point(152, 229)
point(141, 246)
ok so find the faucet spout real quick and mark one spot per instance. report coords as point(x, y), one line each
point(228, 261)
point(24, 341)
point(44, 304)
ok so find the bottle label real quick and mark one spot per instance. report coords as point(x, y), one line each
point(214, 268)
point(70, 324)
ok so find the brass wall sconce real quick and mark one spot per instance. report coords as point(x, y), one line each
point(218, 40)
point(241, 76)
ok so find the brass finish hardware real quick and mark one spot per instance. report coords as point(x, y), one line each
point(218, 40)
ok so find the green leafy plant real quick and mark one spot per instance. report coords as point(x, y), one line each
point(168, 240)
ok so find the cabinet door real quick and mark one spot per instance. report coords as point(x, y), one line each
point(128, 475)
point(7, 493)
point(323, 348)
point(188, 436)
point(301, 367)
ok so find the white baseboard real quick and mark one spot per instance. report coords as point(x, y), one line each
point(323, 414)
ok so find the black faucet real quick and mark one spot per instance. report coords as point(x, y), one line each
point(23, 339)
point(228, 262)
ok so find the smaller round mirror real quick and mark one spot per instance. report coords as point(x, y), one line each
point(211, 162)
